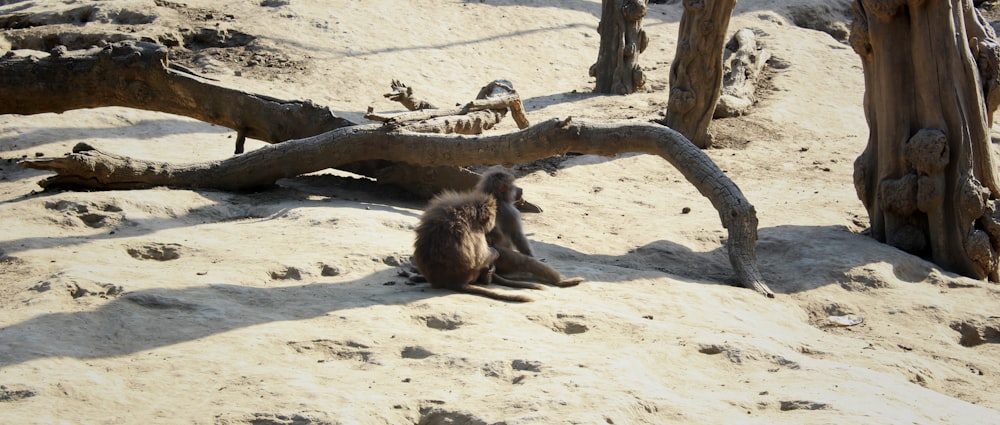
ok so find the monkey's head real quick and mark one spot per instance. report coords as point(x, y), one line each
point(500, 184)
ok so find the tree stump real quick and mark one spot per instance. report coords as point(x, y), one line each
point(927, 176)
point(622, 40)
point(696, 73)
point(744, 62)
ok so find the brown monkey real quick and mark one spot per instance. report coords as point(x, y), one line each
point(507, 235)
point(451, 250)
point(508, 232)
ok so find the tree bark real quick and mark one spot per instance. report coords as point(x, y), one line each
point(927, 176)
point(95, 169)
point(744, 61)
point(139, 75)
point(622, 40)
point(696, 73)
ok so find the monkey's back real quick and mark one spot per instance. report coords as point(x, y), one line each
point(450, 243)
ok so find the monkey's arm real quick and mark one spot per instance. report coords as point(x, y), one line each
point(522, 244)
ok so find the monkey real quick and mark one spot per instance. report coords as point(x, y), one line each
point(508, 232)
point(507, 235)
point(450, 249)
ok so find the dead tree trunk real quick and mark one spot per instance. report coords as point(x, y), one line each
point(696, 73)
point(91, 168)
point(622, 40)
point(928, 176)
point(743, 63)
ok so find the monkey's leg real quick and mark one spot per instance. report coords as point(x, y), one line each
point(511, 262)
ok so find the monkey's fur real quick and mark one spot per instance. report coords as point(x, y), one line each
point(508, 232)
point(507, 235)
point(451, 249)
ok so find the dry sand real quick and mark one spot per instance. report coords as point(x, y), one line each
point(283, 306)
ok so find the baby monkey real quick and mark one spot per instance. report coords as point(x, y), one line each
point(507, 235)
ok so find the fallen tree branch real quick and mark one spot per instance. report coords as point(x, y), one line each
point(91, 168)
point(744, 62)
point(474, 117)
point(138, 75)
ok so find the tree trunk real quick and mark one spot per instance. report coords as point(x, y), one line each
point(94, 169)
point(927, 176)
point(622, 40)
point(696, 73)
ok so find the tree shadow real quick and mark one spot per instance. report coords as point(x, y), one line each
point(655, 10)
point(110, 218)
point(541, 102)
point(436, 46)
point(153, 318)
point(144, 129)
point(791, 258)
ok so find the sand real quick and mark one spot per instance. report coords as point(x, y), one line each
point(283, 306)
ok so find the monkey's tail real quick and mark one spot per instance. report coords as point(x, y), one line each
point(489, 293)
point(500, 280)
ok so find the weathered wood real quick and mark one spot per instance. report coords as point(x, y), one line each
point(139, 75)
point(696, 72)
point(490, 106)
point(622, 40)
point(91, 168)
point(743, 63)
point(928, 176)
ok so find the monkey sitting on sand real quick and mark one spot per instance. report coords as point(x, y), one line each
point(507, 235)
point(450, 250)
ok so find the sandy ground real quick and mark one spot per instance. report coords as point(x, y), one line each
point(284, 306)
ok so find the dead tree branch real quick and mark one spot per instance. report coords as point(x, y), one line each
point(95, 169)
point(744, 61)
point(138, 75)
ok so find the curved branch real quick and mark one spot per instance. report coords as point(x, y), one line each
point(95, 169)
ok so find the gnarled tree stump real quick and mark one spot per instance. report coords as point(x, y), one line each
point(743, 62)
point(927, 176)
point(622, 40)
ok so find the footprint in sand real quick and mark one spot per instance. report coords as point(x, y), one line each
point(415, 352)
point(974, 332)
point(156, 251)
point(15, 393)
point(301, 418)
point(442, 322)
point(569, 324)
point(286, 273)
point(335, 350)
point(89, 213)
